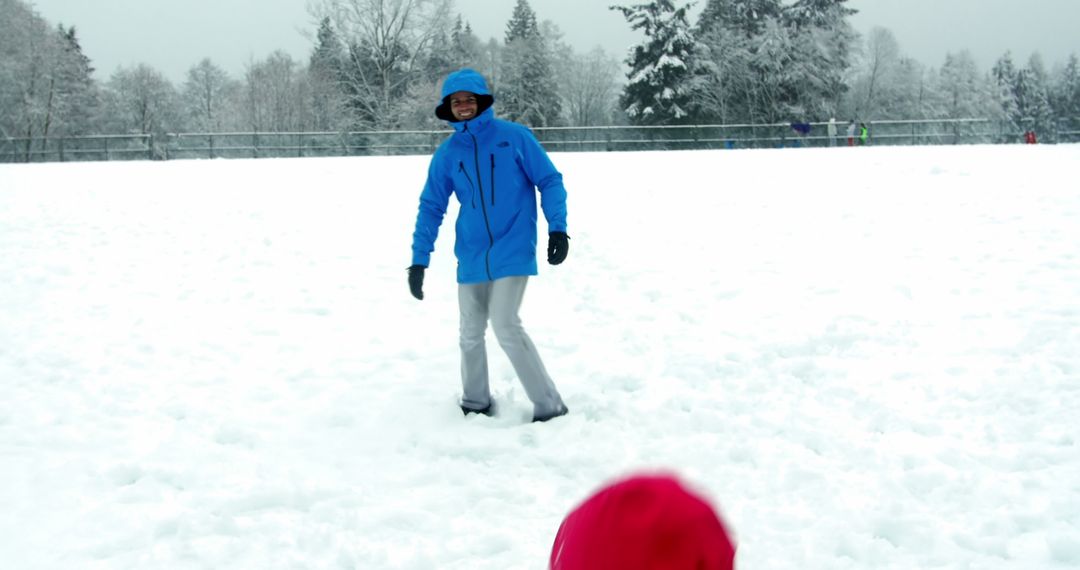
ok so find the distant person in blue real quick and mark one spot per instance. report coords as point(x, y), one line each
point(494, 169)
point(801, 129)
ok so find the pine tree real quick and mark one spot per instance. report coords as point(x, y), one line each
point(439, 57)
point(327, 58)
point(773, 84)
point(756, 60)
point(466, 48)
point(522, 23)
point(750, 16)
point(828, 41)
point(79, 94)
point(1067, 95)
point(716, 15)
point(1007, 90)
point(826, 14)
point(1038, 111)
point(719, 81)
point(658, 91)
point(326, 76)
point(528, 92)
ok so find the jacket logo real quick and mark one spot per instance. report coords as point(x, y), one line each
point(503, 144)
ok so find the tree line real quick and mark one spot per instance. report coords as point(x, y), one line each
point(376, 65)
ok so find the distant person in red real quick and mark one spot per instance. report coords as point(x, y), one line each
point(1029, 137)
point(645, 522)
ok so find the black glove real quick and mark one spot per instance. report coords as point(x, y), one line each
point(558, 245)
point(416, 281)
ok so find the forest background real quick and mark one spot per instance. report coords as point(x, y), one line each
point(376, 65)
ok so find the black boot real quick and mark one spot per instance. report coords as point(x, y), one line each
point(489, 411)
point(560, 411)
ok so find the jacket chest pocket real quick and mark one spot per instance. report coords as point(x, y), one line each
point(487, 178)
point(465, 184)
point(504, 171)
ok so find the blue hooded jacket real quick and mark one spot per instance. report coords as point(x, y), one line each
point(493, 168)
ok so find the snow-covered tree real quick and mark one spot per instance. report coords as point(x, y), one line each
point(141, 100)
point(823, 14)
point(522, 23)
point(658, 88)
point(528, 92)
point(1067, 94)
point(467, 50)
point(913, 98)
point(325, 78)
point(1008, 90)
point(78, 95)
point(206, 97)
point(715, 15)
point(962, 91)
point(1038, 111)
point(589, 88)
point(439, 58)
point(762, 61)
point(777, 75)
point(44, 78)
point(750, 16)
point(879, 78)
point(274, 95)
point(819, 62)
point(719, 74)
point(825, 43)
point(387, 46)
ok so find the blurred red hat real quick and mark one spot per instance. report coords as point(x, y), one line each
point(645, 522)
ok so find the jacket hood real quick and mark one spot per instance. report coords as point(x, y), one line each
point(464, 80)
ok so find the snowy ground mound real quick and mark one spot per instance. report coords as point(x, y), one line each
point(869, 358)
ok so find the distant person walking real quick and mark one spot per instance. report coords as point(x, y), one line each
point(832, 131)
point(851, 133)
point(864, 134)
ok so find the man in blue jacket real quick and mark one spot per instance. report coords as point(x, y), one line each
point(493, 168)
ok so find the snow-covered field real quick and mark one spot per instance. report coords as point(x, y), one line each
point(868, 358)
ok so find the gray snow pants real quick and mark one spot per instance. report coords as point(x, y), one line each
point(499, 302)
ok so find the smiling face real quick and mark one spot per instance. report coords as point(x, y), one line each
point(463, 105)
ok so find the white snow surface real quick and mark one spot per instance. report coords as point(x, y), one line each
point(866, 358)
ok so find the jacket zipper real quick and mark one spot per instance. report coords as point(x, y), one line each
point(492, 179)
point(483, 208)
point(461, 167)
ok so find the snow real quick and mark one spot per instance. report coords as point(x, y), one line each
point(867, 358)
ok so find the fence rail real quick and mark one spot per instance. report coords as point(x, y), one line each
point(566, 139)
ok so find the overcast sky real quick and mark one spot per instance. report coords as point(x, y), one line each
point(173, 35)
